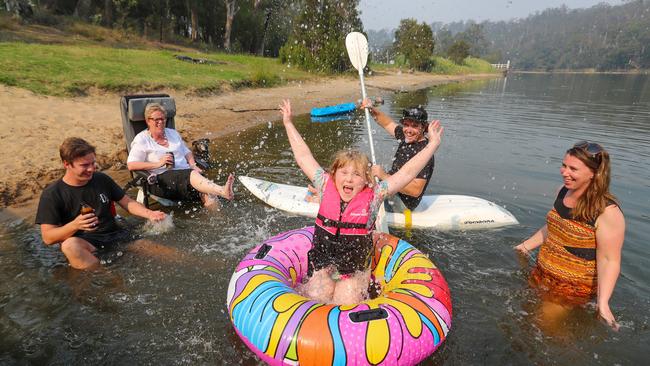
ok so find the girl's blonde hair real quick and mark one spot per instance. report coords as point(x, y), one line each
point(597, 196)
point(359, 159)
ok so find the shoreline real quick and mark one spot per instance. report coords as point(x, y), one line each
point(580, 72)
point(38, 124)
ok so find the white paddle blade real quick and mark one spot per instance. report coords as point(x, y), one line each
point(357, 47)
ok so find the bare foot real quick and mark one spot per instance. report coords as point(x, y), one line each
point(229, 194)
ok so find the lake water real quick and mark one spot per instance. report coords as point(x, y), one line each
point(504, 141)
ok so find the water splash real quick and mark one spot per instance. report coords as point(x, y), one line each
point(152, 228)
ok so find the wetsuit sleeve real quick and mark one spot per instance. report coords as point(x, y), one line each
point(381, 190)
point(320, 177)
point(380, 193)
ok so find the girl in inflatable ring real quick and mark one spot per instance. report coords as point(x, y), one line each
point(349, 205)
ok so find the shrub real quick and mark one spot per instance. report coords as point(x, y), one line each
point(458, 51)
point(264, 78)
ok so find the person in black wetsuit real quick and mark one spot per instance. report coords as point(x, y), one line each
point(76, 210)
point(412, 139)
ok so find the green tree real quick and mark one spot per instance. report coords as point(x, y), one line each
point(475, 39)
point(317, 40)
point(415, 42)
point(444, 39)
point(458, 52)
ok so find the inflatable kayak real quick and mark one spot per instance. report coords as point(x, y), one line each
point(440, 212)
point(405, 323)
point(333, 118)
point(333, 109)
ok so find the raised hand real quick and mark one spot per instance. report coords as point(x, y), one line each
point(378, 171)
point(366, 103)
point(285, 110)
point(435, 133)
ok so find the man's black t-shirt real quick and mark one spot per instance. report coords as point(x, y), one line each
point(403, 154)
point(60, 203)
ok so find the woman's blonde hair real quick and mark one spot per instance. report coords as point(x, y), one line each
point(345, 157)
point(597, 196)
point(154, 107)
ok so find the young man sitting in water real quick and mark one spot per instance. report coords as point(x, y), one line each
point(76, 210)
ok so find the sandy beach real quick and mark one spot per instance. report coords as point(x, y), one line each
point(34, 126)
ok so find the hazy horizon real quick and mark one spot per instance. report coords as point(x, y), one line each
point(386, 14)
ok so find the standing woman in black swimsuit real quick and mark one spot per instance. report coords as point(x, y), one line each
point(581, 243)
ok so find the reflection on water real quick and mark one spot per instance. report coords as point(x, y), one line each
point(503, 141)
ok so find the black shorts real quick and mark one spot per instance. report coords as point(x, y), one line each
point(108, 240)
point(347, 255)
point(175, 185)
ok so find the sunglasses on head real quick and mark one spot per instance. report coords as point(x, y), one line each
point(592, 149)
point(417, 114)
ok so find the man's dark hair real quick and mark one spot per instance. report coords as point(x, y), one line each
point(73, 148)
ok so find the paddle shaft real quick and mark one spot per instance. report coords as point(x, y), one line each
point(380, 224)
point(367, 113)
point(357, 47)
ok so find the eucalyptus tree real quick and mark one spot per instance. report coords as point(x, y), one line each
point(415, 42)
point(317, 40)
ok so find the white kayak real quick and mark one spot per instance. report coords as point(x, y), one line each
point(440, 212)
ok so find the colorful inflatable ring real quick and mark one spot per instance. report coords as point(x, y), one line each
point(403, 325)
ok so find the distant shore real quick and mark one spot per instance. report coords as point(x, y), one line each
point(36, 124)
point(588, 71)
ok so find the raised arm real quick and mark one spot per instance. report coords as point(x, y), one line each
point(610, 234)
point(380, 117)
point(410, 170)
point(301, 151)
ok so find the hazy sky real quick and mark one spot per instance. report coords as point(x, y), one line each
point(378, 14)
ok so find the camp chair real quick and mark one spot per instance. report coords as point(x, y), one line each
point(133, 122)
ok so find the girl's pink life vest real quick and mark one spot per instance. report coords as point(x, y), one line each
point(353, 221)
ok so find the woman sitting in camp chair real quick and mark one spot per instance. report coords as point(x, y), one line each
point(162, 152)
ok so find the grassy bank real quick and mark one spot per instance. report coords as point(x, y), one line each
point(76, 69)
point(444, 66)
point(471, 65)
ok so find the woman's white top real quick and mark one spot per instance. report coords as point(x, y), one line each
point(145, 149)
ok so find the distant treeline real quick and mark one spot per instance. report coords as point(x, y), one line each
point(244, 26)
point(309, 34)
point(602, 37)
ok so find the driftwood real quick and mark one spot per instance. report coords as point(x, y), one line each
point(197, 60)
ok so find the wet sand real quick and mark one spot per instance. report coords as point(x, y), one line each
point(34, 125)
